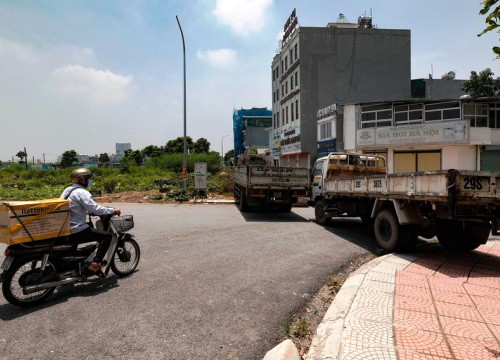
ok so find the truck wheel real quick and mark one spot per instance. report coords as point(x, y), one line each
point(462, 236)
point(320, 212)
point(391, 236)
point(242, 205)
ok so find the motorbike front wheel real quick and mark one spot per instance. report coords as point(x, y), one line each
point(126, 257)
point(23, 273)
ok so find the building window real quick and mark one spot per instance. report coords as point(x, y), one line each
point(283, 117)
point(296, 52)
point(325, 130)
point(291, 56)
point(408, 114)
point(291, 111)
point(376, 115)
point(291, 82)
point(278, 119)
point(442, 111)
point(297, 109)
point(277, 71)
point(286, 112)
point(477, 114)
point(495, 115)
point(283, 90)
point(286, 87)
point(273, 74)
point(274, 97)
point(277, 94)
point(286, 62)
point(282, 67)
point(296, 78)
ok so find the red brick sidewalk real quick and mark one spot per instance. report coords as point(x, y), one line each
point(448, 306)
point(438, 305)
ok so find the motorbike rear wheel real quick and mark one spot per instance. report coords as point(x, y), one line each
point(23, 273)
point(126, 257)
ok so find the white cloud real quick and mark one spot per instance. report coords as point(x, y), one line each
point(97, 86)
point(242, 16)
point(221, 58)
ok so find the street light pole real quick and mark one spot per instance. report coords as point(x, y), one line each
point(222, 146)
point(184, 161)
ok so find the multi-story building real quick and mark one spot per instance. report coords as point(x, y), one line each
point(251, 129)
point(121, 147)
point(426, 135)
point(320, 66)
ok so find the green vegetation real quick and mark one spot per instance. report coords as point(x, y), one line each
point(492, 10)
point(482, 84)
point(17, 183)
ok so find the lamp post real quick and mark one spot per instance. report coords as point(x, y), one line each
point(184, 160)
point(222, 146)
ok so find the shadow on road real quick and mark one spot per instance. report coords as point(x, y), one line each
point(62, 294)
point(271, 215)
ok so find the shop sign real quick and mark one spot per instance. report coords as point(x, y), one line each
point(291, 144)
point(290, 25)
point(276, 144)
point(328, 111)
point(327, 146)
point(455, 132)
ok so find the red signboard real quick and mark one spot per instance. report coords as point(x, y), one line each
point(290, 25)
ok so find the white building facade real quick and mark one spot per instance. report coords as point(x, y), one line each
point(425, 135)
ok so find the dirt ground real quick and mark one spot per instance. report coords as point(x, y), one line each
point(151, 196)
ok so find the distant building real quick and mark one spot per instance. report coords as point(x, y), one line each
point(318, 67)
point(121, 147)
point(436, 89)
point(251, 129)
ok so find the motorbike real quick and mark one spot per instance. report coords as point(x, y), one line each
point(31, 272)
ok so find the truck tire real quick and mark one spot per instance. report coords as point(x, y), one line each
point(462, 236)
point(390, 235)
point(320, 212)
point(243, 205)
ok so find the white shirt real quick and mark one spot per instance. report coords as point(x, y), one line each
point(80, 202)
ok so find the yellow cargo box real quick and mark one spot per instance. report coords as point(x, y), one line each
point(26, 221)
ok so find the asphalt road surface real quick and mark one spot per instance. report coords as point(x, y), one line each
point(212, 284)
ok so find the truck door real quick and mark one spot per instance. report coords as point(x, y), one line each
point(317, 179)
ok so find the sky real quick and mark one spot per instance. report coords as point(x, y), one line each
point(84, 75)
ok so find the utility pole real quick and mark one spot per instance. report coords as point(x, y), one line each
point(184, 161)
point(222, 148)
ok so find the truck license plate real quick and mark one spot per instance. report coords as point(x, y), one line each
point(6, 263)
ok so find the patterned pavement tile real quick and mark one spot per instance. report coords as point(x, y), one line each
point(368, 333)
point(439, 286)
point(486, 301)
point(495, 329)
point(411, 355)
point(370, 353)
point(412, 291)
point(378, 284)
point(474, 278)
point(375, 291)
point(473, 289)
point(425, 342)
point(382, 277)
point(411, 279)
point(454, 298)
point(363, 300)
point(458, 311)
point(491, 316)
point(374, 313)
point(468, 349)
point(421, 304)
point(452, 272)
point(415, 320)
point(466, 329)
point(421, 270)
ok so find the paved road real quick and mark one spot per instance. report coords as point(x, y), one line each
point(212, 284)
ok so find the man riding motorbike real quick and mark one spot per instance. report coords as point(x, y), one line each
point(81, 202)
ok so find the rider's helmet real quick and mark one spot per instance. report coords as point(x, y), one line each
point(81, 174)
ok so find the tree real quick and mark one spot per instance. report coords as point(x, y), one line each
point(201, 146)
point(21, 155)
point(133, 155)
point(104, 158)
point(68, 158)
point(177, 146)
point(152, 151)
point(229, 155)
point(482, 84)
point(492, 19)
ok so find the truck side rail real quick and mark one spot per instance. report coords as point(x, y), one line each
point(443, 185)
point(266, 177)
